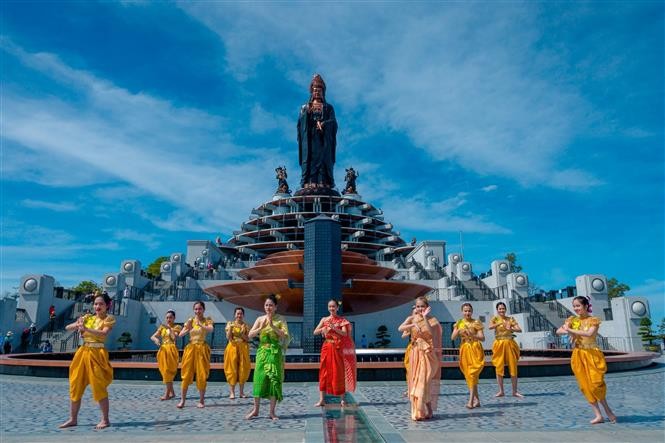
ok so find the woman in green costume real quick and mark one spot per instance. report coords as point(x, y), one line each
point(269, 367)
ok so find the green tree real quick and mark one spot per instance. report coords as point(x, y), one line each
point(382, 336)
point(512, 259)
point(661, 330)
point(125, 340)
point(616, 288)
point(87, 287)
point(154, 268)
point(645, 331)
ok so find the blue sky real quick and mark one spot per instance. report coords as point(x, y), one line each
point(537, 128)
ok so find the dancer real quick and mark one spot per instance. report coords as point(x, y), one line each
point(588, 361)
point(167, 356)
point(505, 350)
point(471, 355)
point(337, 370)
point(424, 373)
point(196, 358)
point(269, 367)
point(236, 354)
point(90, 365)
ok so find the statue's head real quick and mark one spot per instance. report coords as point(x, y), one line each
point(317, 87)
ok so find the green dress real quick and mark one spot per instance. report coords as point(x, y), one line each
point(269, 367)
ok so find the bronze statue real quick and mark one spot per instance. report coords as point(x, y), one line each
point(317, 141)
point(282, 185)
point(350, 180)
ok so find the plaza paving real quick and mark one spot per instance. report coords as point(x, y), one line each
point(553, 410)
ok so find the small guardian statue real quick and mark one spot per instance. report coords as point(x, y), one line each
point(282, 185)
point(350, 180)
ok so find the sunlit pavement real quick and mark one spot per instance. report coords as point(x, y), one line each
point(553, 410)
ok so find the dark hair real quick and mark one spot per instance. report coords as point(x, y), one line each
point(500, 304)
point(273, 298)
point(466, 304)
point(239, 308)
point(585, 301)
point(199, 302)
point(104, 297)
point(170, 311)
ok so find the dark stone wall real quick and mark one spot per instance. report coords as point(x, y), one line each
point(323, 275)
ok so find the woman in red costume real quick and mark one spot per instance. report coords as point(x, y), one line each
point(337, 371)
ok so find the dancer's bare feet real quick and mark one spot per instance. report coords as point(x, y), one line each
point(518, 395)
point(242, 395)
point(319, 404)
point(164, 397)
point(597, 420)
point(500, 394)
point(273, 416)
point(200, 405)
point(68, 424)
point(476, 404)
point(469, 406)
point(232, 395)
point(102, 424)
point(612, 418)
point(252, 414)
point(181, 404)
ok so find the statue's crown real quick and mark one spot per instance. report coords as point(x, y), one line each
point(317, 80)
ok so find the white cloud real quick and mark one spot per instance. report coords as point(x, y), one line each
point(489, 188)
point(467, 87)
point(52, 206)
point(176, 154)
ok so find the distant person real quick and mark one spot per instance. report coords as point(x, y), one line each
point(167, 356)
point(90, 365)
point(471, 354)
point(7, 344)
point(51, 318)
point(363, 342)
point(25, 339)
point(588, 361)
point(46, 347)
point(505, 350)
point(236, 355)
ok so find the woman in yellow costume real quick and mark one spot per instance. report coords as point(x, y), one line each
point(424, 373)
point(196, 358)
point(587, 361)
point(505, 350)
point(236, 354)
point(90, 365)
point(269, 368)
point(471, 354)
point(167, 356)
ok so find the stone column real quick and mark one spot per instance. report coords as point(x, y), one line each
point(323, 275)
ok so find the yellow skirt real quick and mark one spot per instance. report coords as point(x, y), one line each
point(236, 362)
point(505, 352)
point(90, 366)
point(471, 362)
point(589, 368)
point(167, 361)
point(196, 361)
point(406, 360)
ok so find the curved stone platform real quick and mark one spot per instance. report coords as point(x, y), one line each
point(367, 289)
point(373, 365)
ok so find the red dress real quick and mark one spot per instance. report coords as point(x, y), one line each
point(337, 370)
